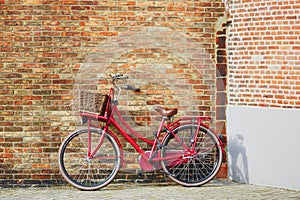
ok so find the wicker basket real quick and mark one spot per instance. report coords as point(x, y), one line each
point(91, 102)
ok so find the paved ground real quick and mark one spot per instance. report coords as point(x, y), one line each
point(215, 190)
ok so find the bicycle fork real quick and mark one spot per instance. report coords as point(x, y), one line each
point(91, 154)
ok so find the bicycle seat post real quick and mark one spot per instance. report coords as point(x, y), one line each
point(170, 119)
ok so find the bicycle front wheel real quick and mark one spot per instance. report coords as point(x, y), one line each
point(89, 173)
point(190, 166)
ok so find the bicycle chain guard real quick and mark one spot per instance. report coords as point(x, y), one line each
point(145, 165)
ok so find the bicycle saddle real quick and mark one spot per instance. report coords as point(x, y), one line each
point(165, 112)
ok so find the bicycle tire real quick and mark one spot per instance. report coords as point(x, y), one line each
point(194, 170)
point(84, 173)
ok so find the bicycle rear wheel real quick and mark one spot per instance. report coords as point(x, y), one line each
point(89, 173)
point(193, 169)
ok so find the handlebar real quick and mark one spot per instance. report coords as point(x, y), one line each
point(126, 87)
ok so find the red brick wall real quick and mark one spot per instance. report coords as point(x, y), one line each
point(45, 45)
point(264, 53)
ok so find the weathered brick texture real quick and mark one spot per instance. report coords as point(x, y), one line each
point(47, 44)
point(264, 53)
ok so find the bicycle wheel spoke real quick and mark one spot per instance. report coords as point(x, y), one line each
point(205, 169)
point(79, 174)
point(179, 168)
point(197, 172)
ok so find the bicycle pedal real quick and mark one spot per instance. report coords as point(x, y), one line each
point(140, 173)
point(167, 173)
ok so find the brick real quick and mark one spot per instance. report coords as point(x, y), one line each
point(274, 42)
point(221, 69)
point(221, 98)
point(39, 176)
point(221, 129)
point(221, 42)
point(221, 113)
point(223, 172)
point(45, 44)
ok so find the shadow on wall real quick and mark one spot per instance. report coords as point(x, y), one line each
point(238, 161)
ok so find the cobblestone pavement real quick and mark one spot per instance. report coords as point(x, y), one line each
point(217, 189)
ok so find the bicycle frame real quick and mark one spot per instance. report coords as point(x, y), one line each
point(163, 130)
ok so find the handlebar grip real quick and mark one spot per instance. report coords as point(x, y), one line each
point(124, 77)
point(118, 76)
point(130, 87)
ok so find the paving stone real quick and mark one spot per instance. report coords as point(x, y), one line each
point(217, 189)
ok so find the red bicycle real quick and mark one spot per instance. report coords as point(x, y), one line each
point(186, 149)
